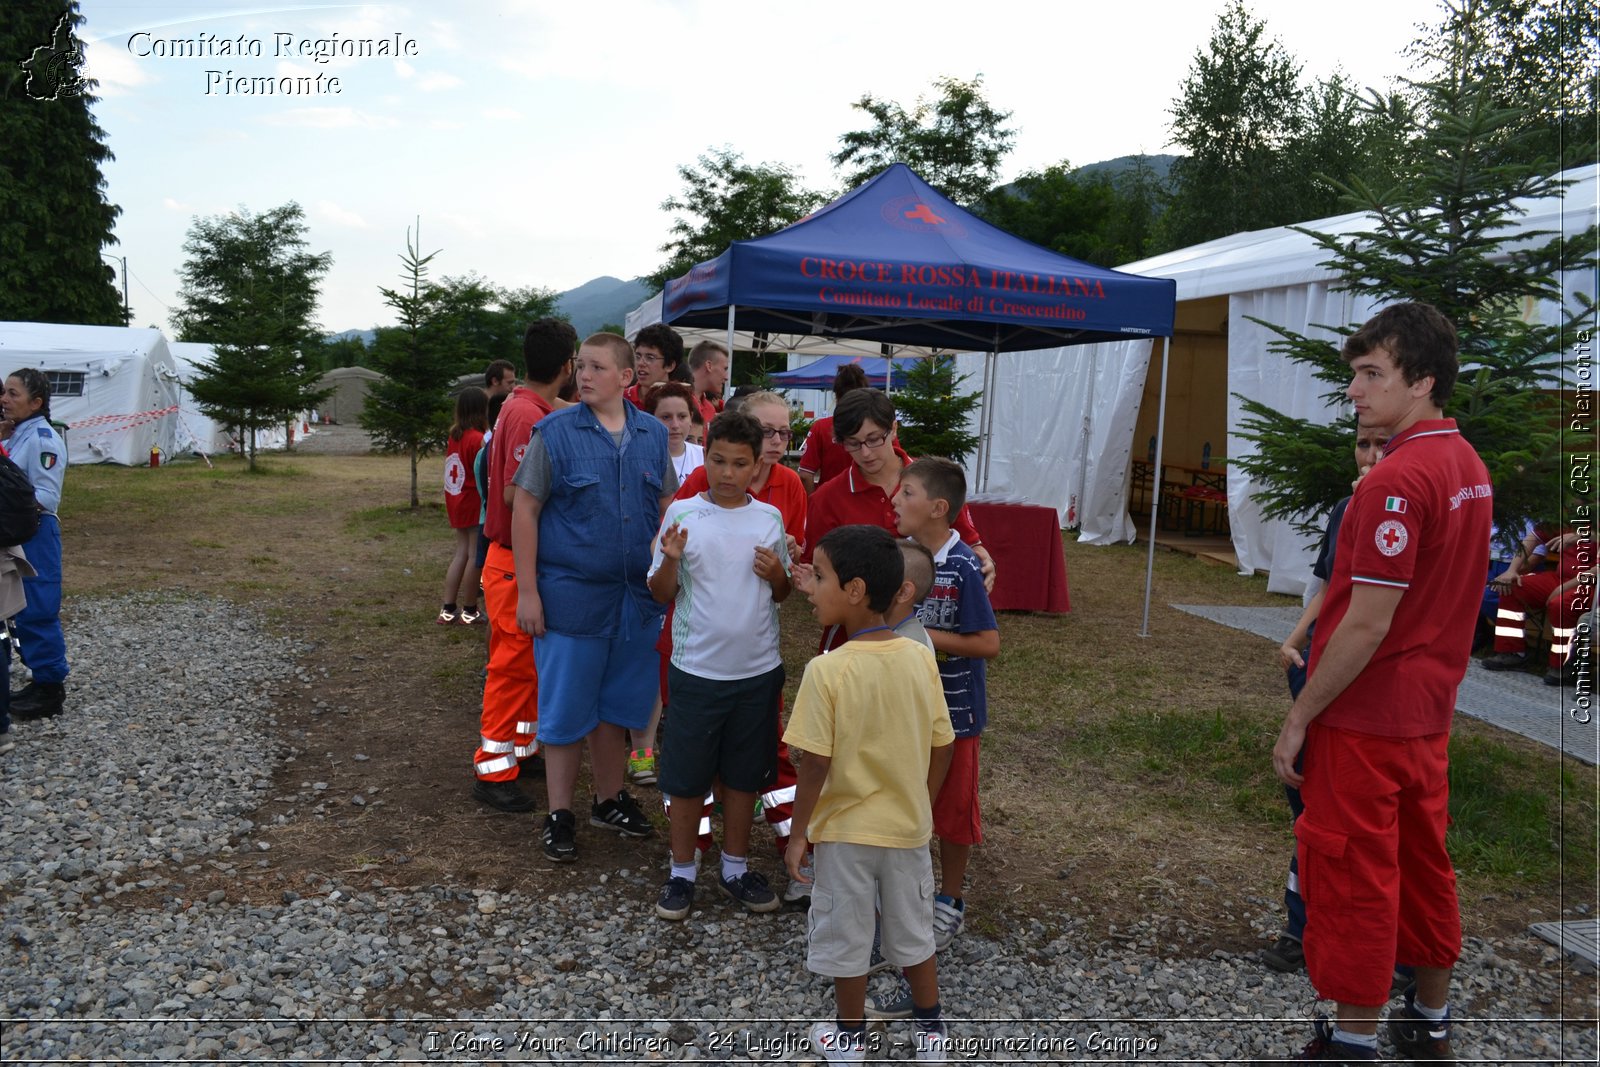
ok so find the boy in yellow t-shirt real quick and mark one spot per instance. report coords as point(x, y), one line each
point(872, 721)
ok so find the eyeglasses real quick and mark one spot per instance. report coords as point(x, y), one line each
point(783, 435)
point(872, 440)
point(649, 359)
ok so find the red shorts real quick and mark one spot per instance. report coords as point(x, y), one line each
point(1378, 884)
point(955, 812)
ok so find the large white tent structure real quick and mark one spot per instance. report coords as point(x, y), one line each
point(115, 388)
point(1076, 418)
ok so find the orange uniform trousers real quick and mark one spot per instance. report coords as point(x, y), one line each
point(510, 717)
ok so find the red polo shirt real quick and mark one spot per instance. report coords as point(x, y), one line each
point(512, 431)
point(850, 499)
point(783, 491)
point(822, 456)
point(1418, 522)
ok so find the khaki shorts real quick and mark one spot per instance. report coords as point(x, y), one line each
point(857, 884)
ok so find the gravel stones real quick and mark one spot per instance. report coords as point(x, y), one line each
point(158, 766)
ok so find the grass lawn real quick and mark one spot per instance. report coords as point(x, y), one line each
point(1125, 778)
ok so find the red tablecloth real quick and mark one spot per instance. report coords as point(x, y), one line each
point(1025, 541)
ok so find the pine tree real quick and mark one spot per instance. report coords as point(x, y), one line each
point(410, 409)
point(1443, 236)
point(250, 290)
point(932, 414)
point(56, 217)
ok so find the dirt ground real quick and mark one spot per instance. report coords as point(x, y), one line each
point(334, 563)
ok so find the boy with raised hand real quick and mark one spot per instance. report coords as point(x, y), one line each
point(960, 620)
point(722, 556)
point(590, 492)
point(877, 738)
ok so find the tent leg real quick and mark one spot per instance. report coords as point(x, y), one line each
point(986, 417)
point(731, 310)
point(1155, 497)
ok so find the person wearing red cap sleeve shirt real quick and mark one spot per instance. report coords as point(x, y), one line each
point(708, 363)
point(658, 350)
point(823, 459)
point(864, 424)
point(510, 717)
point(1393, 641)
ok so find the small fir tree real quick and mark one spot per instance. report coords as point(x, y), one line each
point(409, 410)
point(1443, 236)
point(933, 415)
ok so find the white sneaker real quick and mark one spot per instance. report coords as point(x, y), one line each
point(797, 891)
point(828, 1042)
point(933, 1046)
point(947, 920)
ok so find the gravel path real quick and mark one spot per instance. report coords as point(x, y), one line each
point(168, 745)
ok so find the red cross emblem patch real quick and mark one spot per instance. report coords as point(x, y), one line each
point(1391, 537)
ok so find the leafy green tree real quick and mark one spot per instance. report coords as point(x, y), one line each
point(1443, 236)
point(933, 414)
point(409, 411)
point(54, 215)
point(955, 141)
point(725, 200)
point(1064, 211)
point(250, 290)
point(1236, 110)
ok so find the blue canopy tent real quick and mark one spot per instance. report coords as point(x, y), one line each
point(818, 374)
point(894, 261)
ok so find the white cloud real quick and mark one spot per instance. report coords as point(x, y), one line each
point(174, 205)
point(116, 71)
point(432, 83)
point(331, 118)
point(328, 211)
point(404, 69)
point(502, 114)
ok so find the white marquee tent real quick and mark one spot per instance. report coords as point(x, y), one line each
point(1068, 437)
point(115, 388)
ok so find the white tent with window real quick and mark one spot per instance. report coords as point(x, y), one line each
point(115, 388)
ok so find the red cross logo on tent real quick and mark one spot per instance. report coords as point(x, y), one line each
point(923, 213)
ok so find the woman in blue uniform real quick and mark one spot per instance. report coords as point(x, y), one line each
point(37, 448)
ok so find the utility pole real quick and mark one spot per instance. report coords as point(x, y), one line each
point(127, 315)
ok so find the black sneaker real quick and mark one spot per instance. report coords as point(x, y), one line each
point(38, 700)
point(621, 814)
point(676, 898)
point(1286, 955)
point(1418, 1037)
point(750, 889)
point(1324, 1048)
point(561, 836)
point(504, 796)
point(1505, 661)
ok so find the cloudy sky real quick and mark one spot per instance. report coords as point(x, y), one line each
point(536, 139)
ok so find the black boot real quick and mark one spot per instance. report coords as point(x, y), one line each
point(38, 700)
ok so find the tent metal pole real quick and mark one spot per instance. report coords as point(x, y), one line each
point(731, 309)
point(1155, 496)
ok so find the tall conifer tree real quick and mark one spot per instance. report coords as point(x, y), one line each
point(1443, 235)
point(54, 215)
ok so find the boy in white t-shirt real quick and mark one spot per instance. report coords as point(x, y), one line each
point(723, 557)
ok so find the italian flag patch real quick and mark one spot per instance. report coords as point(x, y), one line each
point(1396, 504)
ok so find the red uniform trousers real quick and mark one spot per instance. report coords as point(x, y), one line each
point(1538, 590)
point(1377, 881)
point(511, 692)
